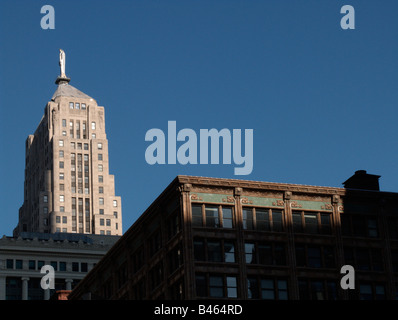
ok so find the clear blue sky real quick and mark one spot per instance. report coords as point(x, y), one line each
point(322, 101)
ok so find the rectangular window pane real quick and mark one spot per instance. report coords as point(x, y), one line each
point(199, 250)
point(212, 217)
point(277, 224)
point(325, 223)
point(201, 287)
point(314, 257)
point(232, 287)
point(214, 251)
point(216, 287)
point(311, 223)
point(197, 220)
point(252, 288)
point(250, 253)
point(267, 289)
point(247, 219)
point(227, 217)
point(297, 223)
point(282, 290)
point(262, 220)
point(265, 254)
point(229, 251)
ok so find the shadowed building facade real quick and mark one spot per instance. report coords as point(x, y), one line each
point(67, 185)
point(234, 239)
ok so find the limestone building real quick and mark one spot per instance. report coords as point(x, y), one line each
point(71, 256)
point(67, 185)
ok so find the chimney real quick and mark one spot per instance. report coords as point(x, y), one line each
point(363, 181)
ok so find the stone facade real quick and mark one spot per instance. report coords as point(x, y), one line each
point(71, 256)
point(67, 186)
point(211, 238)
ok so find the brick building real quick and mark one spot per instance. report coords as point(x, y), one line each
point(206, 238)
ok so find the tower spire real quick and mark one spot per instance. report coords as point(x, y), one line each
point(62, 78)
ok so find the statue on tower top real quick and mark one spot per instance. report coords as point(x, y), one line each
point(62, 63)
point(62, 78)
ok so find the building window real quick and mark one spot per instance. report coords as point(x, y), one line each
point(100, 179)
point(100, 168)
point(267, 288)
point(102, 222)
point(108, 222)
point(100, 156)
point(18, 264)
point(315, 256)
point(61, 164)
point(61, 153)
point(197, 218)
point(216, 286)
point(101, 189)
point(64, 123)
point(83, 106)
point(10, 264)
point(359, 226)
point(64, 219)
point(45, 199)
point(62, 209)
point(75, 266)
point(71, 105)
point(262, 219)
point(62, 266)
point(99, 145)
point(93, 136)
point(86, 146)
point(84, 267)
point(64, 133)
point(311, 289)
point(45, 210)
point(214, 250)
point(61, 143)
point(93, 125)
point(61, 176)
point(101, 201)
point(101, 211)
point(61, 198)
point(77, 105)
point(32, 264)
point(363, 258)
point(311, 222)
point(115, 203)
point(212, 216)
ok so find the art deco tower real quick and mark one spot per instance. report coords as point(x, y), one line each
point(67, 184)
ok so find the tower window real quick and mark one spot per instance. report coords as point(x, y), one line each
point(93, 125)
point(71, 105)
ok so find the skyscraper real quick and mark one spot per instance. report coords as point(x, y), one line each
point(67, 185)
